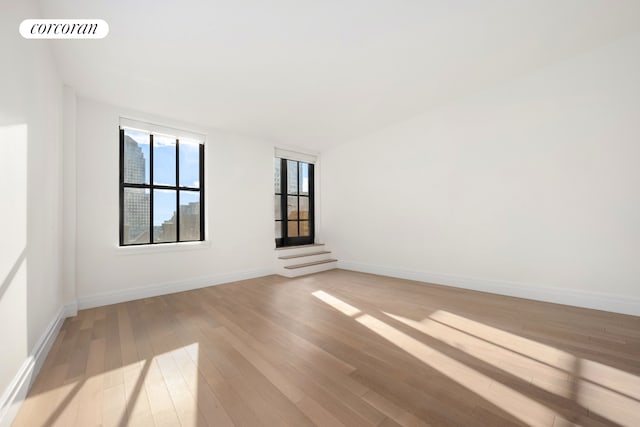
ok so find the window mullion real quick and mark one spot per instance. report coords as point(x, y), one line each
point(311, 217)
point(298, 195)
point(201, 158)
point(151, 239)
point(177, 191)
point(284, 191)
point(121, 186)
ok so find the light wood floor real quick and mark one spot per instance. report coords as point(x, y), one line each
point(339, 348)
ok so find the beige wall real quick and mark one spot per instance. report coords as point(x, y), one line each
point(239, 213)
point(31, 181)
point(530, 188)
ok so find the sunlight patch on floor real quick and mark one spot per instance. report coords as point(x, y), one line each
point(169, 385)
point(611, 378)
point(610, 403)
point(520, 345)
point(160, 389)
point(516, 404)
point(549, 378)
point(605, 391)
point(336, 303)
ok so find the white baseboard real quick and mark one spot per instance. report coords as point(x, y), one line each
point(574, 297)
point(71, 310)
point(125, 295)
point(17, 390)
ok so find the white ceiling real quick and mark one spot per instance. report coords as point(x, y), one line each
point(317, 73)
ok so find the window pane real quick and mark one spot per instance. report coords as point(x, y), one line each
point(304, 178)
point(292, 177)
point(164, 160)
point(277, 207)
point(276, 174)
point(189, 163)
point(304, 207)
point(304, 228)
point(292, 207)
point(136, 216)
point(292, 228)
point(189, 215)
point(136, 157)
point(164, 215)
point(278, 230)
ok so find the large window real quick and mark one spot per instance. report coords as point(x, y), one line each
point(293, 202)
point(161, 188)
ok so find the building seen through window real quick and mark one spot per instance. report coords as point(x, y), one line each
point(161, 188)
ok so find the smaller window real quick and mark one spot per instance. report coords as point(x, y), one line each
point(161, 188)
point(293, 202)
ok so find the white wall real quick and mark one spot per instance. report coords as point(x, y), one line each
point(68, 244)
point(530, 188)
point(31, 180)
point(239, 214)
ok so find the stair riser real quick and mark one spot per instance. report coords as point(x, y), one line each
point(301, 260)
point(299, 250)
point(303, 255)
point(308, 270)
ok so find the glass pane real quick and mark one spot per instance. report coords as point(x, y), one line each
point(278, 230)
point(136, 157)
point(276, 174)
point(292, 207)
point(292, 228)
point(164, 160)
point(304, 228)
point(292, 177)
point(189, 163)
point(304, 207)
point(304, 178)
point(164, 215)
point(189, 215)
point(277, 207)
point(136, 216)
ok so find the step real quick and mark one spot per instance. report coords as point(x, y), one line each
point(284, 248)
point(308, 268)
point(299, 250)
point(304, 255)
point(308, 264)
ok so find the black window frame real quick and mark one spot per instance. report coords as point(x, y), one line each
point(285, 240)
point(151, 187)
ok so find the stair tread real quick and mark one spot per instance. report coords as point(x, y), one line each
point(284, 248)
point(308, 264)
point(304, 255)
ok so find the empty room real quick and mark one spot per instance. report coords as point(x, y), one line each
point(320, 213)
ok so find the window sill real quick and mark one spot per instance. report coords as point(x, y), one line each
point(162, 248)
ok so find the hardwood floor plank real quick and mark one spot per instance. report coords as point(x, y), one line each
point(339, 348)
point(317, 414)
point(40, 404)
point(207, 402)
point(324, 398)
point(292, 392)
point(234, 405)
point(91, 395)
point(114, 409)
point(393, 411)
